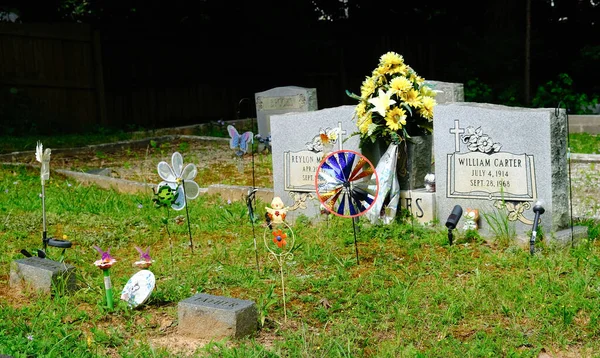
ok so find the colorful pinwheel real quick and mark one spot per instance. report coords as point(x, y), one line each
point(346, 185)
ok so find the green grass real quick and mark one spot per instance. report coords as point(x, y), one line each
point(412, 295)
point(580, 142)
point(584, 143)
point(18, 143)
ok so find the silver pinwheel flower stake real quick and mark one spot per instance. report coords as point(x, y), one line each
point(279, 239)
point(180, 179)
point(43, 156)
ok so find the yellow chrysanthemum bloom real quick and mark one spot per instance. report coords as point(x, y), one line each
point(400, 85)
point(412, 97)
point(420, 80)
point(390, 59)
point(361, 109)
point(398, 70)
point(427, 91)
point(379, 71)
point(364, 123)
point(368, 87)
point(395, 118)
point(426, 111)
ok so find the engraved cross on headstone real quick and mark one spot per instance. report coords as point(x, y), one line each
point(457, 131)
point(341, 135)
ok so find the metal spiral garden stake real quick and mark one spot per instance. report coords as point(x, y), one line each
point(280, 249)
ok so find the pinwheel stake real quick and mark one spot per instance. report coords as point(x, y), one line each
point(105, 263)
point(165, 197)
point(280, 249)
point(180, 180)
point(347, 186)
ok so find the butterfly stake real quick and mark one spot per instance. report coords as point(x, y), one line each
point(239, 143)
point(105, 263)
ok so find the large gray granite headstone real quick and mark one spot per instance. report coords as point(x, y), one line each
point(281, 100)
point(447, 92)
point(296, 157)
point(41, 274)
point(213, 317)
point(501, 160)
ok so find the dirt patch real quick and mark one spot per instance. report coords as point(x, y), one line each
point(216, 162)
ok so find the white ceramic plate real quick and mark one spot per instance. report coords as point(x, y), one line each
point(138, 288)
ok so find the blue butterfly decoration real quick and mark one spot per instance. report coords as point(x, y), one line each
point(238, 142)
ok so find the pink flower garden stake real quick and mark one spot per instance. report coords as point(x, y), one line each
point(105, 263)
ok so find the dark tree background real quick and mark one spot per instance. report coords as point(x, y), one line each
point(482, 44)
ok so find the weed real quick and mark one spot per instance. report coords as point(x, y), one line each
point(503, 229)
point(264, 304)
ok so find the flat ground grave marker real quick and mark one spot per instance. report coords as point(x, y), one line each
point(41, 274)
point(213, 317)
point(502, 160)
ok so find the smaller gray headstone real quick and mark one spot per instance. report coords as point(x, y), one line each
point(41, 274)
point(447, 92)
point(213, 317)
point(282, 100)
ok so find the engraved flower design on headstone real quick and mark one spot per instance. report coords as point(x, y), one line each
point(477, 141)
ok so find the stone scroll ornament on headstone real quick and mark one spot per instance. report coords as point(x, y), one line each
point(177, 187)
point(279, 240)
point(347, 185)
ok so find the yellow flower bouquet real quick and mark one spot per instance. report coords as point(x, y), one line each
point(394, 103)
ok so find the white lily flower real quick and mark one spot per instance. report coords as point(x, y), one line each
point(180, 179)
point(382, 102)
point(43, 156)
